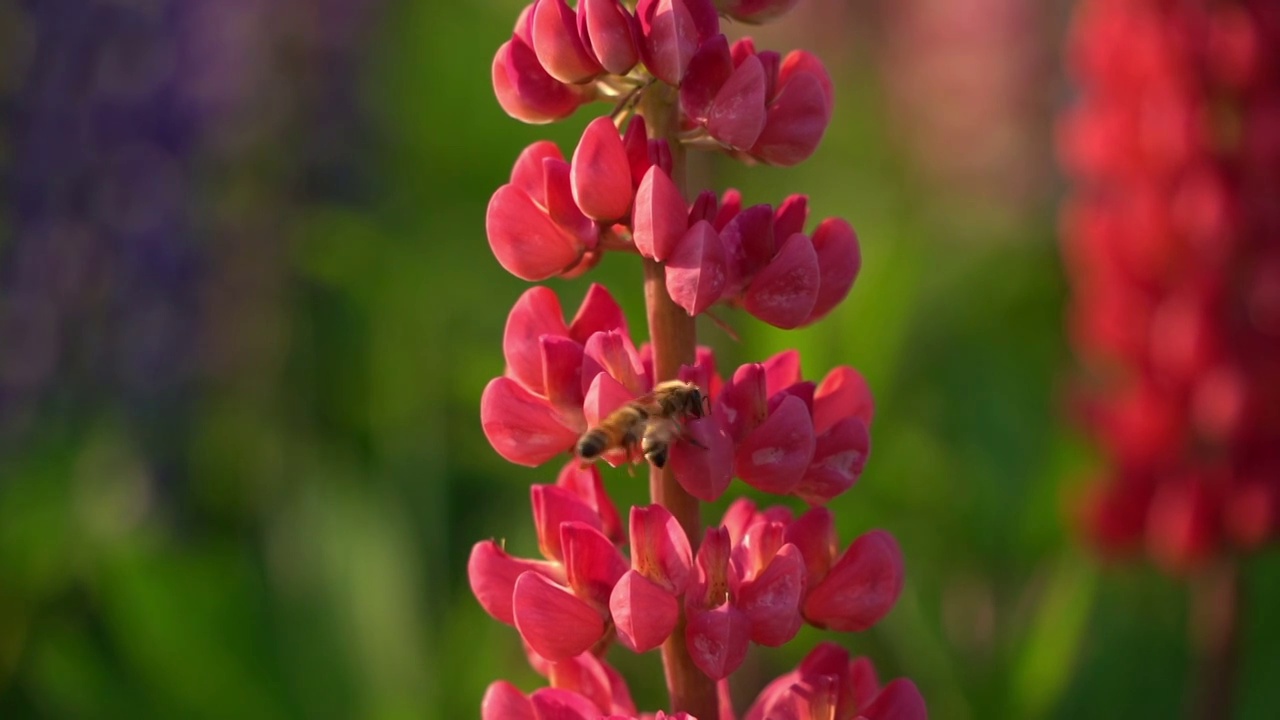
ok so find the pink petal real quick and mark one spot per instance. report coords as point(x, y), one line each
point(750, 234)
point(586, 675)
point(525, 91)
point(781, 371)
point(784, 291)
point(815, 534)
point(611, 32)
point(552, 506)
point(838, 459)
point(730, 206)
point(862, 676)
point(502, 701)
point(555, 622)
point(712, 587)
point(525, 240)
point(760, 543)
point(843, 393)
point(738, 517)
point(535, 314)
point(832, 661)
point(562, 377)
point(521, 426)
point(528, 174)
point(659, 549)
point(742, 405)
point(839, 260)
point(492, 573)
point(791, 215)
point(636, 141)
point(603, 396)
point(774, 456)
point(670, 38)
point(592, 563)
point(709, 69)
point(772, 600)
point(644, 613)
point(561, 207)
point(704, 472)
point(862, 586)
point(705, 207)
point(585, 482)
point(556, 704)
point(800, 62)
point(795, 123)
point(778, 701)
point(717, 639)
point(737, 113)
point(557, 45)
point(613, 353)
point(695, 271)
point(899, 700)
point(660, 218)
point(601, 174)
point(599, 312)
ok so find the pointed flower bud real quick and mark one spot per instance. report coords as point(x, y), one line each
point(557, 45)
point(660, 217)
point(609, 31)
point(669, 37)
point(601, 174)
point(524, 89)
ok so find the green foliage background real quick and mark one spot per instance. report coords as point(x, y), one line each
point(315, 564)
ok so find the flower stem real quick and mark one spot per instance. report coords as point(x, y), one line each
point(673, 336)
point(1215, 619)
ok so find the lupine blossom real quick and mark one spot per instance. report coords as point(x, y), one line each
point(702, 595)
point(1170, 243)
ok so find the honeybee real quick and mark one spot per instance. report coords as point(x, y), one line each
point(652, 421)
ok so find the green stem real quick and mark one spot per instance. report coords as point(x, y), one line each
point(673, 336)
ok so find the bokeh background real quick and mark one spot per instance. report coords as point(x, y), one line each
point(247, 310)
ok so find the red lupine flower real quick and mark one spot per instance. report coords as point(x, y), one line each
point(609, 32)
point(799, 109)
point(524, 88)
point(829, 686)
point(601, 173)
point(558, 45)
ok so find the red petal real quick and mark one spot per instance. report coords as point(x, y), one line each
point(832, 661)
point(525, 91)
point(838, 459)
point(613, 353)
point(527, 173)
point(791, 215)
point(781, 371)
point(611, 32)
point(742, 405)
point(601, 173)
point(795, 123)
point(585, 482)
point(695, 271)
point(737, 114)
point(712, 588)
point(709, 69)
point(659, 549)
point(784, 291)
point(843, 393)
point(555, 623)
point(900, 700)
point(750, 244)
point(557, 45)
point(521, 426)
point(660, 217)
point(774, 456)
point(839, 260)
point(535, 314)
point(592, 563)
point(643, 612)
point(561, 207)
point(603, 396)
point(556, 704)
point(599, 312)
point(757, 12)
point(862, 676)
point(772, 600)
point(730, 206)
point(802, 62)
point(815, 534)
point(740, 515)
point(717, 639)
point(552, 506)
point(502, 701)
point(862, 586)
point(704, 472)
point(670, 37)
point(586, 675)
point(525, 240)
point(492, 573)
point(562, 377)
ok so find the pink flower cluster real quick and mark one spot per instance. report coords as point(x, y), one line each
point(770, 427)
point(827, 685)
point(754, 579)
point(1171, 243)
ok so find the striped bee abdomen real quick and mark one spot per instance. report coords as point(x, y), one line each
point(592, 443)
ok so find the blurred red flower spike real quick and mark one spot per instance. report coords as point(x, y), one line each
point(552, 506)
point(861, 588)
point(717, 639)
point(659, 549)
point(839, 260)
point(525, 240)
point(781, 371)
point(610, 33)
point(557, 45)
point(612, 352)
point(644, 612)
point(709, 69)
point(838, 459)
point(528, 173)
point(774, 456)
point(899, 700)
point(522, 427)
point(1182, 530)
point(815, 534)
point(557, 704)
point(704, 472)
point(561, 206)
point(585, 482)
point(556, 623)
point(660, 217)
point(536, 313)
point(742, 405)
point(599, 312)
point(669, 38)
point(492, 574)
point(755, 12)
point(783, 293)
point(592, 563)
point(842, 393)
point(524, 89)
point(737, 113)
point(771, 600)
point(562, 375)
point(503, 701)
point(796, 120)
point(695, 269)
point(791, 215)
point(601, 175)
